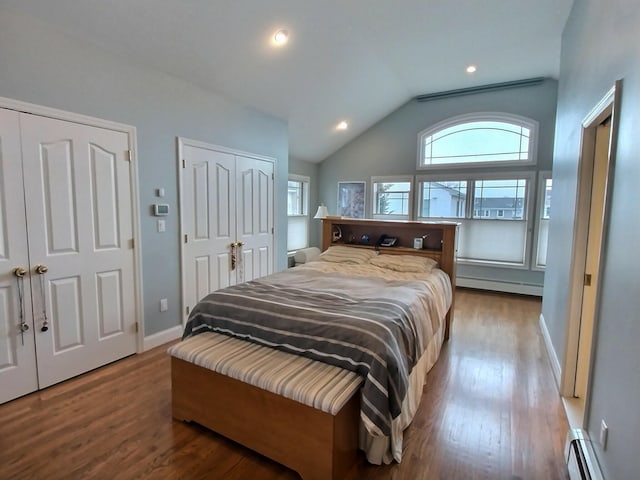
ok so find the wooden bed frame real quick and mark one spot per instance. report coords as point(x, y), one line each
point(317, 445)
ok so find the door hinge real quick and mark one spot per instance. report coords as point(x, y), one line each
point(587, 279)
point(129, 156)
point(271, 230)
point(132, 243)
point(137, 327)
point(187, 310)
point(272, 177)
point(186, 238)
point(184, 163)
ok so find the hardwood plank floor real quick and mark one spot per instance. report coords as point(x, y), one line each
point(490, 411)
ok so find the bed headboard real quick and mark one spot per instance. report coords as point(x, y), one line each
point(438, 239)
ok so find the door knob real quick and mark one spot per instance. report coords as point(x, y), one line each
point(41, 269)
point(19, 272)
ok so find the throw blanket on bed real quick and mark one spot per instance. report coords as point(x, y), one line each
point(375, 335)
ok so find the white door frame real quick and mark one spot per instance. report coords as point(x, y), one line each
point(43, 111)
point(182, 143)
point(609, 105)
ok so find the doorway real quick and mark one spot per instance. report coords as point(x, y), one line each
point(599, 131)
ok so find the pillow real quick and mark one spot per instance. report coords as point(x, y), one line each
point(305, 255)
point(405, 263)
point(340, 254)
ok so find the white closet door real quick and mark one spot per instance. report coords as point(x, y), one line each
point(255, 216)
point(208, 220)
point(79, 219)
point(17, 351)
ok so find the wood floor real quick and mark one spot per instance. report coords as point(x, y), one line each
point(490, 411)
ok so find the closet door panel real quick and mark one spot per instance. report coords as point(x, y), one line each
point(208, 194)
point(17, 350)
point(79, 204)
point(255, 214)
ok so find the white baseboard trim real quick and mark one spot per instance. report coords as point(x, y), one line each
point(551, 352)
point(508, 287)
point(160, 338)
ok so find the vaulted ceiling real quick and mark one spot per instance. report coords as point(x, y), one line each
point(352, 60)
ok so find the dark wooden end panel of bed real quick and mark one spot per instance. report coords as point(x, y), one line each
point(317, 445)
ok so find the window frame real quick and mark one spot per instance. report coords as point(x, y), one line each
point(306, 181)
point(393, 179)
point(512, 119)
point(469, 216)
point(543, 176)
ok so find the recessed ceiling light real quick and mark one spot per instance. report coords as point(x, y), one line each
point(342, 125)
point(471, 69)
point(281, 37)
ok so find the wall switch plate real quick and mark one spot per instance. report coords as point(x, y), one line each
point(604, 433)
point(164, 306)
point(162, 226)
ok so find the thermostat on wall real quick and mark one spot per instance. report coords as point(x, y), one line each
point(160, 209)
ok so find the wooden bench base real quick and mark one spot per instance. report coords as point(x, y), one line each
point(317, 445)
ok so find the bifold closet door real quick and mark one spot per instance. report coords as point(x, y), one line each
point(79, 221)
point(226, 212)
point(66, 221)
point(255, 216)
point(18, 374)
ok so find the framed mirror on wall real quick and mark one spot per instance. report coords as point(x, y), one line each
point(351, 199)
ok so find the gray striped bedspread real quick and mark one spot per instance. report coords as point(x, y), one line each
point(375, 327)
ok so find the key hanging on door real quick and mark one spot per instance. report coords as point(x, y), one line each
point(41, 270)
point(20, 272)
point(233, 256)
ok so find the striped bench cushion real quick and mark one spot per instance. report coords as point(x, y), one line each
point(315, 384)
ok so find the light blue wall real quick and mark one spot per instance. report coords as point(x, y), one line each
point(601, 43)
point(43, 66)
point(309, 169)
point(390, 148)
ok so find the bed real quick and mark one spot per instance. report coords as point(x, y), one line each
point(375, 321)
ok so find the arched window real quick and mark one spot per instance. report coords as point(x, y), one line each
point(478, 139)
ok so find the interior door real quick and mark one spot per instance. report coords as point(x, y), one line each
point(79, 218)
point(208, 221)
point(255, 217)
point(17, 347)
point(592, 262)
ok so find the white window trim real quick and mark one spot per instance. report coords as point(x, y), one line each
point(533, 125)
point(393, 179)
point(305, 200)
point(470, 178)
point(543, 175)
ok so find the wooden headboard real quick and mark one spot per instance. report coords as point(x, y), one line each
point(439, 242)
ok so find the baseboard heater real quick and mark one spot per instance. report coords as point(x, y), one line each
point(581, 460)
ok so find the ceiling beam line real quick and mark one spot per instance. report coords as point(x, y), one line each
point(527, 82)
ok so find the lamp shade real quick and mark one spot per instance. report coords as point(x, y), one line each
point(322, 212)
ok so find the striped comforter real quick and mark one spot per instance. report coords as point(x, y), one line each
point(373, 326)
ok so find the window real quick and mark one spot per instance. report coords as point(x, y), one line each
point(544, 210)
point(298, 212)
point(443, 199)
point(478, 139)
point(392, 197)
point(500, 198)
point(495, 228)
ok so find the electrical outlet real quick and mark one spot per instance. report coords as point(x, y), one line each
point(164, 306)
point(162, 226)
point(604, 432)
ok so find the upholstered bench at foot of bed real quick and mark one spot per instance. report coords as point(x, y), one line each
point(298, 412)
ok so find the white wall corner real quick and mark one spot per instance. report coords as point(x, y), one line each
point(163, 337)
point(551, 352)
